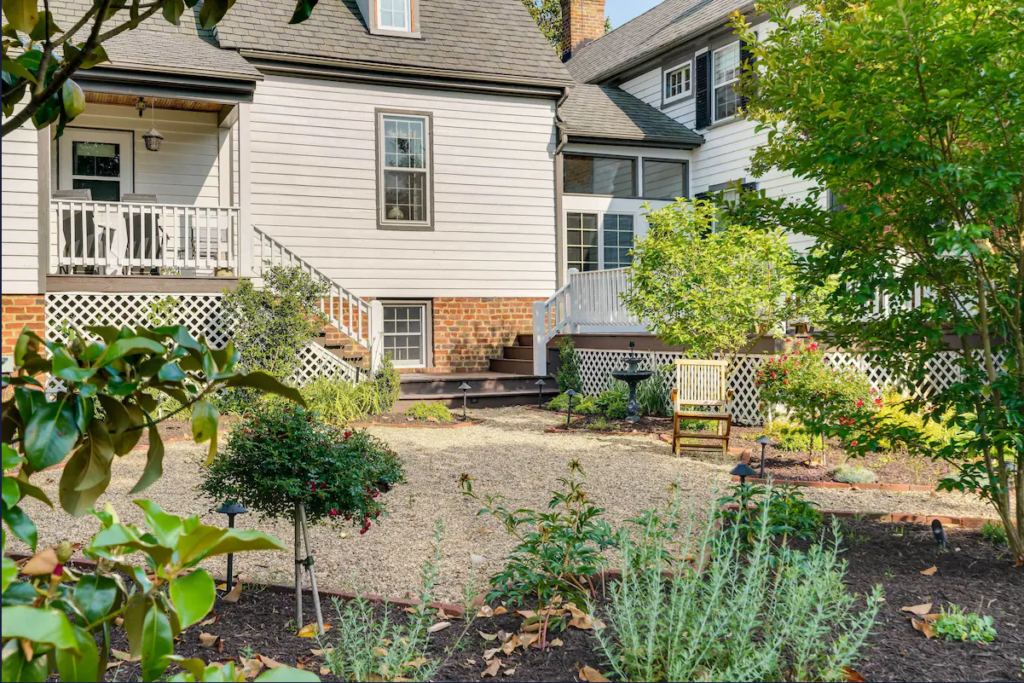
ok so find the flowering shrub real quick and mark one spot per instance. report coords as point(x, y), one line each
point(815, 393)
point(281, 455)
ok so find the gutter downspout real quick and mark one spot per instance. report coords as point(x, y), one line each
point(563, 140)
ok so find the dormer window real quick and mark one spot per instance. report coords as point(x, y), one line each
point(394, 15)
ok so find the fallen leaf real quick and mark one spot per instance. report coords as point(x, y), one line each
point(324, 671)
point(489, 637)
point(321, 653)
point(119, 622)
point(919, 610)
point(477, 559)
point(251, 668)
point(592, 675)
point(41, 564)
point(924, 627)
point(557, 642)
point(484, 530)
point(488, 654)
point(930, 571)
point(211, 620)
point(447, 615)
point(439, 626)
point(234, 594)
point(111, 665)
point(932, 618)
point(310, 630)
point(526, 613)
point(222, 586)
point(852, 676)
point(492, 668)
point(503, 636)
point(268, 662)
point(531, 628)
point(380, 652)
point(123, 656)
point(211, 641)
point(498, 611)
point(486, 612)
point(510, 645)
point(416, 663)
point(509, 672)
point(528, 639)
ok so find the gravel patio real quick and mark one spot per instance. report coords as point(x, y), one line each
point(508, 454)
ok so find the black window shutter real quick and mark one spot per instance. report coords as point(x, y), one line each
point(749, 187)
point(747, 60)
point(703, 100)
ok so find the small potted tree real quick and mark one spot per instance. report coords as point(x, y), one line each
point(283, 461)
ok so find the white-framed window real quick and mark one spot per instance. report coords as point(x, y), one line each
point(404, 183)
point(394, 15)
point(598, 241)
point(678, 82)
point(97, 160)
point(405, 336)
point(725, 72)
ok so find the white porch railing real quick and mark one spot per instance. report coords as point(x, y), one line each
point(588, 302)
point(360, 320)
point(117, 238)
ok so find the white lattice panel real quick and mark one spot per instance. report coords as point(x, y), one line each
point(202, 314)
point(596, 368)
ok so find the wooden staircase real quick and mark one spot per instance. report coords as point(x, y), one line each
point(516, 359)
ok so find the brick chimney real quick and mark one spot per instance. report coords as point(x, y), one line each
point(582, 23)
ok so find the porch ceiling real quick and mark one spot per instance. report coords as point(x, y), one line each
point(151, 102)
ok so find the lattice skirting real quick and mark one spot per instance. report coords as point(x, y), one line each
point(202, 314)
point(596, 368)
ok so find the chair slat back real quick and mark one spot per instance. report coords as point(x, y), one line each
point(701, 383)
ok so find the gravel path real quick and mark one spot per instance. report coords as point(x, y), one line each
point(508, 454)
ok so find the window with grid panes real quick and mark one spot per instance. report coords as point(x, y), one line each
point(581, 241)
point(726, 73)
point(618, 240)
point(405, 334)
point(405, 149)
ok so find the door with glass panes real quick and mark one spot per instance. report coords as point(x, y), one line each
point(598, 241)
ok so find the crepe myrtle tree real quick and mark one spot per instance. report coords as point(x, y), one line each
point(40, 58)
point(711, 288)
point(912, 114)
point(53, 615)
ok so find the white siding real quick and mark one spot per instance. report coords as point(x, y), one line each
point(646, 87)
point(185, 169)
point(314, 188)
point(20, 257)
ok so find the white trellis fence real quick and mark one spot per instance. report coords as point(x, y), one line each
point(596, 367)
point(202, 314)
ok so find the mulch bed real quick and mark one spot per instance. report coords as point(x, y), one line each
point(595, 424)
point(890, 468)
point(973, 574)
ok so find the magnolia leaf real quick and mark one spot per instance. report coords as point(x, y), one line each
point(211, 641)
point(40, 625)
point(234, 594)
point(157, 644)
point(930, 571)
point(81, 664)
point(21, 526)
point(285, 674)
point(45, 27)
point(75, 501)
point(173, 9)
point(98, 56)
point(23, 15)
point(268, 384)
point(95, 596)
point(592, 675)
point(50, 434)
point(154, 461)
point(492, 669)
point(213, 11)
point(17, 69)
point(303, 10)
point(310, 630)
point(439, 626)
point(919, 610)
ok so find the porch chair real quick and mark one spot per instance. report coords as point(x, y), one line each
point(146, 238)
point(81, 239)
point(701, 384)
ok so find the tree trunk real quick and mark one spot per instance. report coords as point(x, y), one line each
point(298, 570)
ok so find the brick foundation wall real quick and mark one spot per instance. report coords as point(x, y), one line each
point(20, 311)
point(470, 331)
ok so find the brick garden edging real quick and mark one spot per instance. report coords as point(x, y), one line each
point(419, 425)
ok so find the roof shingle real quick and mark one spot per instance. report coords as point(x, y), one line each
point(666, 24)
point(599, 111)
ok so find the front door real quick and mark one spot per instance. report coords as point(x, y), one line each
point(101, 161)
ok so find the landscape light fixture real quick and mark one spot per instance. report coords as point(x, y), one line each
point(939, 533)
point(464, 387)
point(572, 393)
point(765, 442)
point(540, 393)
point(743, 470)
point(231, 509)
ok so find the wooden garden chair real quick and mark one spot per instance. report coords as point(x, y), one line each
point(701, 384)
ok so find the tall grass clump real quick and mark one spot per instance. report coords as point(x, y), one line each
point(342, 402)
point(730, 611)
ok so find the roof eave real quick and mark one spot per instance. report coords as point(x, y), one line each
point(661, 142)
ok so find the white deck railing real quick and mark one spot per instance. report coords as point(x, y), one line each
point(360, 320)
point(117, 238)
point(588, 302)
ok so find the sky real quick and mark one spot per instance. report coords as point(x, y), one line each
point(621, 11)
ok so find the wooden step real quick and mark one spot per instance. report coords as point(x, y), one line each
point(518, 353)
point(514, 367)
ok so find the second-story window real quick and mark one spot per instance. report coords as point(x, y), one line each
point(726, 73)
point(404, 182)
point(394, 15)
point(678, 82)
point(608, 176)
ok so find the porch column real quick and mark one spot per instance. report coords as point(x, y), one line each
point(245, 236)
point(43, 190)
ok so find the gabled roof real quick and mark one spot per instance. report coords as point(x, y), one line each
point(606, 113)
point(156, 45)
point(652, 32)
point(490, 39)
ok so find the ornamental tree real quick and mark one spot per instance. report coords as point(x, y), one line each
point(149, 577)
point(912, 113)
point(711, 291)
point(40, 58)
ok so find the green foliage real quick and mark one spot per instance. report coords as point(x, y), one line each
point(932, 205)
point(994, 533)
point(569, 366)
point(789, 435)
point(196, 670)
point(280, 456)
point(688, 589)
point(612, 403)
point(581, 405)
point(430, 412)
point(341, 402)
point(271, 324)
point(601, 425)
point(557, 551)
point(954, 624)
point(712, 292)
point(33, 65)
point(816, 393)
point(787, 514)
point(853, 474)
point(654, 394)
point(897, 414)
point(150, 577)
